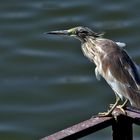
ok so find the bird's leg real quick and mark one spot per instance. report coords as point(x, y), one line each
point(108, 113)
point(122, 106)
point(111, 105)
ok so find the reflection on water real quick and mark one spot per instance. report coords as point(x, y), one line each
point(43, 78)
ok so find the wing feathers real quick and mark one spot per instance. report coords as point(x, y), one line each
point(130, 66)
point(124, 70)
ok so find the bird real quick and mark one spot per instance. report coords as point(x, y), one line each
point(112, 63)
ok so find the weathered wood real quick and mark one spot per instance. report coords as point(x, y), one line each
point(82, 129)
point(134, 115)
point(121, 126)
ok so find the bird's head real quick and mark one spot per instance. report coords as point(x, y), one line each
point(82, 33)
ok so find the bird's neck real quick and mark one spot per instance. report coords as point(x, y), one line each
point(97, 49)
point(91, 50)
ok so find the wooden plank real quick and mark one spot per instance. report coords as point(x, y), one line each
point(82, 129)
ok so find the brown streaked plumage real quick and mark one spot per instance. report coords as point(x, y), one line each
point(112, 63)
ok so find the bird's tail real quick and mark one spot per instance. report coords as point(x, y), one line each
point(134, 98)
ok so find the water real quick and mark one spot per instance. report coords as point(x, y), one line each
point(46, 84)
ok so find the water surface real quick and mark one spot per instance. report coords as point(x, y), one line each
point(46, 84)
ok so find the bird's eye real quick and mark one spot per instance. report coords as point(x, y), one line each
point(84, 32)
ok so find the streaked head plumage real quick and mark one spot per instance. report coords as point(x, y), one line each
point(80, 32)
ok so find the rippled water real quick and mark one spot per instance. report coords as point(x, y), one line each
point(46, 84)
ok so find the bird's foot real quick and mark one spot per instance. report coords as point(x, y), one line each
point(121, 107)
point(109, 112)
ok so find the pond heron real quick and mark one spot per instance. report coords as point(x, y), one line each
point(112, 63)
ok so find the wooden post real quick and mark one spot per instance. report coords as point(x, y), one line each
point(122, 128)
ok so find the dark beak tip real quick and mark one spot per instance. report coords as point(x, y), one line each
point(47, 33)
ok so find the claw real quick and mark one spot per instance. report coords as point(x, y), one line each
point(109, 112)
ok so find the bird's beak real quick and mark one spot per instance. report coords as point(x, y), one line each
point(61, 32)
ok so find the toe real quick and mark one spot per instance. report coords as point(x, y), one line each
point(121, 108)
point(104, 114)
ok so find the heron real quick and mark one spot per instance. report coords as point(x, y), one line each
point(112, 62)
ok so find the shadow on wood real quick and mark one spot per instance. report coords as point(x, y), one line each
point(121, 126)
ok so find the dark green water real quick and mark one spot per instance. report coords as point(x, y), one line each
point(46, 84)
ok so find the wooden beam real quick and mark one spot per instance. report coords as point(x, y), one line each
point(134, 115)
point(82, 129)
point(121, 126)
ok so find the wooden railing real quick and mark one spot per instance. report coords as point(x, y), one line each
point(121, 126)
